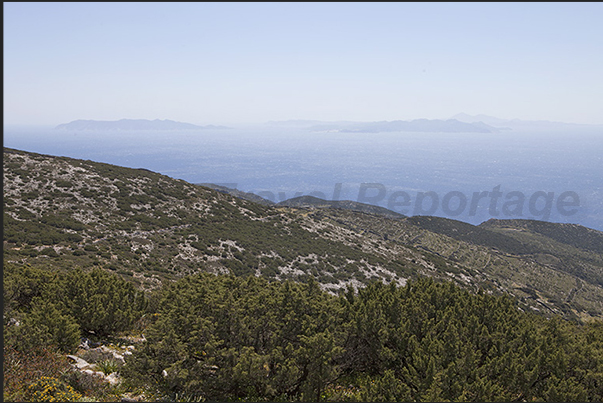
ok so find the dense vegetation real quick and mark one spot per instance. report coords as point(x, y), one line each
point(222, 337)
point(227, 338)
point(243, 301)
point(56, 307)
point(46, 313)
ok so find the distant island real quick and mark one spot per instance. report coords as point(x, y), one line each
point(417, 125)
point(518, 124)
point(459, 123)
point(132, 125)
point(422, 125)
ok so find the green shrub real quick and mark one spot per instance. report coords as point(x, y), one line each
point(102, 301)
point(50, 252)
point(90, 248)
point(45, 325)
point(108, 366)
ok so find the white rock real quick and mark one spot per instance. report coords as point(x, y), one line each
point(93, 373)
point(116, 355)
point(79, 362)
point(112, 378)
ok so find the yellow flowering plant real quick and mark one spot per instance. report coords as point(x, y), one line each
point(50, 389)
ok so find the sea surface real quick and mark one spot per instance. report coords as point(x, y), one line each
point(551, 175)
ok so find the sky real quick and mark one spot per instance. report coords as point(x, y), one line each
point(247, 63)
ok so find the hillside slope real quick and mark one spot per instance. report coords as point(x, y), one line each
point(66, 213)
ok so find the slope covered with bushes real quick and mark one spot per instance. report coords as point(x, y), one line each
point(229, 338)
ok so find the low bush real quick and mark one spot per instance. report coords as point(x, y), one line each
point(50, 389)
point(22, 369)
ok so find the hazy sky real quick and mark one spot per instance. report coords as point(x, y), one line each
point(236, 63)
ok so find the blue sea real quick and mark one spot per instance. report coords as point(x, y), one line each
point(551, 175)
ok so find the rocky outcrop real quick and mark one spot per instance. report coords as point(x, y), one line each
point(88, 362)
